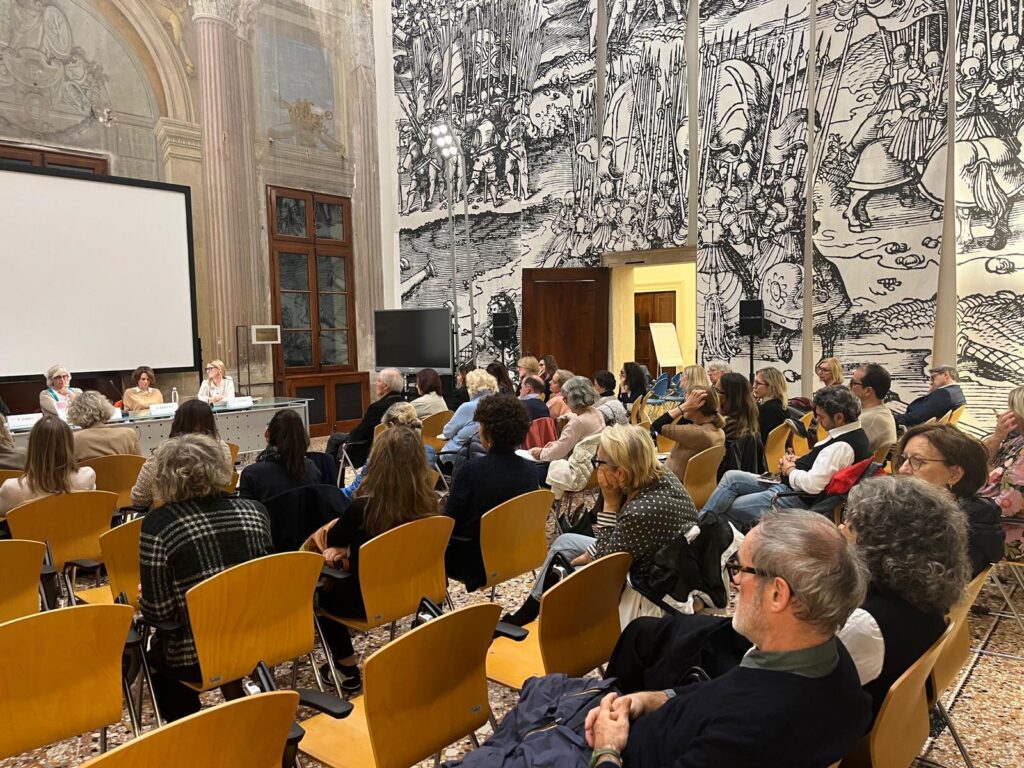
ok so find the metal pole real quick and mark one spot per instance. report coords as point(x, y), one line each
point(469, 262)
point(451, 198)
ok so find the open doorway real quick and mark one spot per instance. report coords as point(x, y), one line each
point(651, 307)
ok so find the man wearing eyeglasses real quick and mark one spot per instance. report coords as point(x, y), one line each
point(870, 383)
point(945, 396)
point(795, 699)
point(742, 497)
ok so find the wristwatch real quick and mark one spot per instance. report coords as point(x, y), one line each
point(595, 758)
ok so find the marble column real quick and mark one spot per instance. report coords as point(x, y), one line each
point(226, 108)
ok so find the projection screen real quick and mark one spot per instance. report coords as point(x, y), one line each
point(98, 274)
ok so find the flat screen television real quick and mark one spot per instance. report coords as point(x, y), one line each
point(412, 339)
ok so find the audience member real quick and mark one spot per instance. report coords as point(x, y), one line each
point(830, 371)
point(609, 405)
point(644, 508)
point(944, 396)
point(531, 393)
point(461, 394)
point(217, 388)
point(743, 497)
point(430, 400)
point(397, 490)
point(699, 427)
point(500, 374)
point(585, 420)
point(744, 450)
point(693, 376)
point(1006, 443)
point(144, 393)
point(942, 455)
point(548, 368)
point(58, 393)
point(484, 483)
point(50, 467)
point(11, 457)
point(193, 417)
point(282, 465)
point(1006, 465)
point(716, 369)
point(772, 400)
point(798, 580)
point(913, 539)
point(197, 533)
point(463, 426)
point(632, 384)
point(91, 411)
point(556, 403)
point(870, 383)
point(390, 385)
point(528, 366)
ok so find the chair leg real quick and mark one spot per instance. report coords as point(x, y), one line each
point(129, 702)
point(295, 673)
point(394, 626)
point(103, 740)
point(1006, 597)
point(491, 719)
point(316, 673)
point(437, 760)
point(954, 733)
point(330, 658)
point(475, 740)
point(448, 601)
point(148, 676)
point(492, 592)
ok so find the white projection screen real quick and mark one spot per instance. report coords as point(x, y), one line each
point(98, 274)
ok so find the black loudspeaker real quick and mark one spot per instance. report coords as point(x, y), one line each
point(501, 326)
point(752, 318)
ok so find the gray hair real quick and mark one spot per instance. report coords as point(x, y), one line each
point(838, 399)
point(579, 393)
point(55, 370)
point(718, 365)
point(562, 376)
point(913, 537)
point(6, 439)
point(949, 370)
point(826, 575)
point(190, 466)
point(393, 378)
point(89, 408)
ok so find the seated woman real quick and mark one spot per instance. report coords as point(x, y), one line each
point(462, 427)
point(743, 448)
point(942, 455)
point(428, 387)
point(397, 415)
point(198, 532)
point(585, 420)
point(11, 457)
point(397, 490)
point(486, 482)
point(461, 394)
point(282, 465)
point(632, 384)
point(50, 467)
point(548, 368)
point(528, 365)
point(58, 393)
point(607, 403)
point(1006, 451)
point(218, 387)
point(830, 371)
point(913, 538)
point(143, 394)
point(644, 508)
point(90, 411)
point(772, 400)
point(194, 417)
point(693, 376)
point(557, 406)
point(699, 428)
point(500, 374)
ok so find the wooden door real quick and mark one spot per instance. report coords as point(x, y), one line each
point(565, 314)
point(655, 307)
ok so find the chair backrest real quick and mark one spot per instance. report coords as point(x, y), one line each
point(61, 674)
point(901, 727)
point(957, 650)
point(636, 409)
point(232, 486)
point(400, 567)
point(428, 688)
point(954, 416)
point(249, 731)
point(883, 453)
point(20, 563)
point(435, 422)
point(257, 611)
point(660, 386)
point(542, 431)
point(512, 538)
point(120, 548)
point(71, 523)
point(378, 429)
point(775, 447)
point(579, 616)
point(666, 444)
point(117, 473)
point(298, 513)
point(10, 474)
point(233, 448)
point(701, 474)
point(944, 418)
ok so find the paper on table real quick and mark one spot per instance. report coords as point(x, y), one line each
point(525, 454)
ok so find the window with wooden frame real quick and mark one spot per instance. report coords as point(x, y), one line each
point(311, 273)
point(11, 154)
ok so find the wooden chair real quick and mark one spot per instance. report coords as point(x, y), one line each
point(71, 525)
point(61, 675)
point(232, 486)
point(901, 727)
point(10, 474)
point(117, 474)
point(432, 426)
point(883, 454)
point(423, 692)
point(399, 568)
point(637, 409)
point(234, 448)
point(802, 446)
point(512, 537)
point(250, 731)
point(955, 414)
point(665, 444)
point(576, 631)
point(701, 476)
point(775, 446)
point(120, 549)
point(20, 562)
point(944, 418)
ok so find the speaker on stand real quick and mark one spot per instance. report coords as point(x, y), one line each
point(752, 325)
point(501, 330)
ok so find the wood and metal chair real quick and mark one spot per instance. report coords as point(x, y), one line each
point(423, 692)
point(20, 564)
point(802, 445)
point(775, 446)
point(512, 537)
point(701, 476)
point(955, 415)
point(576, 631)
point(117, 474)
point(234, 449)
point(120, 550)
point(10, 474)
point(432, 426)
point(250, 731)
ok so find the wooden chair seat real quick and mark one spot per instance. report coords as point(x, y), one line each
point(340, 743)
point(511, 664)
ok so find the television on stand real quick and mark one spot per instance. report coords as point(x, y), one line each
point(412, 339)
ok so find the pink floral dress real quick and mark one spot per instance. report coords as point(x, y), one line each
point(1006, 487)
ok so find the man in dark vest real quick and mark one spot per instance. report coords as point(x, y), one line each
point(742, 497)
point(945, 395)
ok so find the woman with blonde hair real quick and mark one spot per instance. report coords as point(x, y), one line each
point(830, 371)
point(91, 411)
point(700, 426)
point(397, 490)
point(528, 366)
point(50, 467)
point(462, 427)
point(772, 400)
point(218, 387)
point(693, 376)
point(11, 457)
point(643, 509)
point(58, 393)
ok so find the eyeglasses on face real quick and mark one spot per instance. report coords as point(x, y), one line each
point(596, 462)
point(734, 569)
point(917, 462)
point(211, 367)
point(759, 383)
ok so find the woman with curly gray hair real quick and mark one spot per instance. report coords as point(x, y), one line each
point(584, 419)
point(90, 411)
point(913, 537)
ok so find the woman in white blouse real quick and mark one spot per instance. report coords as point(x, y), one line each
point(428, 387)
point(218, 387)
